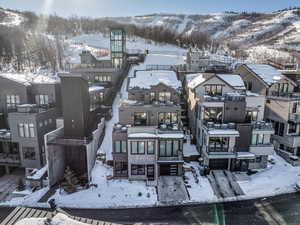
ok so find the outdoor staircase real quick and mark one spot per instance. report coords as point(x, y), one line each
point(173, 170)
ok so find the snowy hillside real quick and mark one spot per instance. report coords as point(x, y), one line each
point(9, 18)
point(246, 30)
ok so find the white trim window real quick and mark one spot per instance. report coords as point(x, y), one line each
point(26, 130)
point(12, 101)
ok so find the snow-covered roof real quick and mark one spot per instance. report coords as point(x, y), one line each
point(149, 135)
point(28, 78)
point(196, 81)
point(267, 73)
point(95, 88)
point(189, 77)
point(233, 80)
point(223, 132)
point(142, 135)
point(245, 155)
point(146, 79)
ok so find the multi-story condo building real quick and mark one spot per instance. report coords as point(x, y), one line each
point(282, 106)
point(228, 123)
point(75, 144)
point(147, 142)
point(29, 106)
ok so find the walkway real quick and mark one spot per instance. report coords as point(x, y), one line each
point(224, 184)
point(171, 189)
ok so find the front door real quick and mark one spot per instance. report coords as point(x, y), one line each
point(150, 172)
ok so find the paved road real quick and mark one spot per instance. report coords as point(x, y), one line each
point(282, 210)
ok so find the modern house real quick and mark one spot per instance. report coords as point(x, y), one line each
point(29, 106)
point(228, 123)
point(147, 142)
point(282, 106)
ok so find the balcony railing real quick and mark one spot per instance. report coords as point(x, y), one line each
point(294, 117)
point(10, 158)
point(262, 126)
point(285, 95)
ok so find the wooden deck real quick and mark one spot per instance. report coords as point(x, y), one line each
point(20, 213)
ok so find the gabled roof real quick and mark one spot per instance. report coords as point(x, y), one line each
point(268, 74)
point(233, 80)
point(147, 79)
point(196, 81)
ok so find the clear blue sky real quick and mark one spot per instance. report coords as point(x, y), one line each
point(101, 8)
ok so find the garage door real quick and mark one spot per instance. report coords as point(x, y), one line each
point(218, 164)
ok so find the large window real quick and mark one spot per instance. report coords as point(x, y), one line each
point(102, 78)
point(12, 101)
point(167, 118)
point(257, 139)
point(218, 144)
point(121, 169)
point(281, 129)
point(42, 99)
point(137, 147)
point(152, 96)
point(213, 114)
point(137, 169)
point(292, 128)
point(251, 116)
point(169, 148)
point(120, 147)
point(140, 119)
point(29, 153)
point(95, 99)
point(164, 96)
point(26, 130)
point(150, 147)
point(294, 109)
point(213, 90)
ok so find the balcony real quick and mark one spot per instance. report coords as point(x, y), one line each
point(178, 158)
point(208, 98)
point(292, 141)
point(262, 126)
point(285, 95)
point(5, 135)
point(8, 158)
point(263, 149)
point(294, 117)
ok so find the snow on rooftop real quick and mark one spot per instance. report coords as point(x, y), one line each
point(233, 80)
point(223, 132)
point(95, 88)
point(196, 81)
point(146, 79)
point(142, 135)
point(267, 73)
point(189, 77)
point(29, 78)
point(149, 135)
